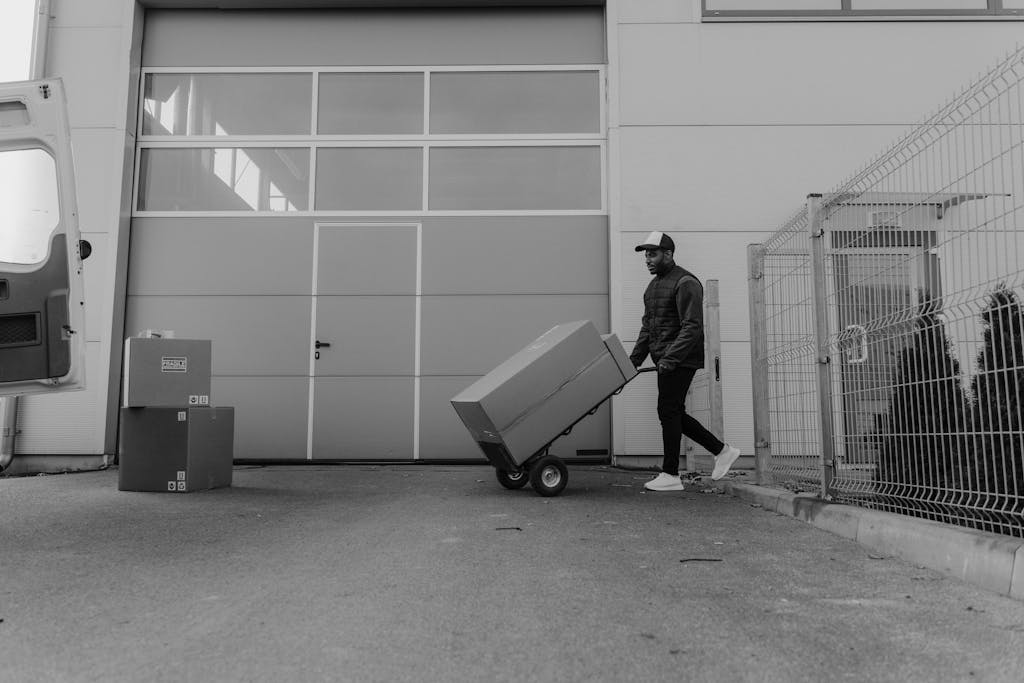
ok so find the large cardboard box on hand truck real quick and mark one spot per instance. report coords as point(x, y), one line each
point(533, 397)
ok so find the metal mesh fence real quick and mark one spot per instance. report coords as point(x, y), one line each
point(923, 306)
point(789, 352)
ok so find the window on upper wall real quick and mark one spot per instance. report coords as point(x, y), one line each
point(735, 10)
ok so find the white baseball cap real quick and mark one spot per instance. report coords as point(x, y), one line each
point(657, 240)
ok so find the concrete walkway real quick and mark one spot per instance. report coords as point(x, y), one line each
point(407, 573)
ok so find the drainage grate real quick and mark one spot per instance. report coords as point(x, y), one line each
point(19, 330)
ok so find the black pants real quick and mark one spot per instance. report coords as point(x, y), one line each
point(672, 388)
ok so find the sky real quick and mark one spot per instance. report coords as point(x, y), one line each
point(15, 38)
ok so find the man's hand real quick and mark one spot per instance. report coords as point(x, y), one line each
point(665, 367)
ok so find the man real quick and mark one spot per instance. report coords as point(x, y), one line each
point(672, 332)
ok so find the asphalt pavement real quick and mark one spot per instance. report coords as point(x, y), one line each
point(436, 573)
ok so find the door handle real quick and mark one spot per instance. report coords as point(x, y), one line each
point(321, 345)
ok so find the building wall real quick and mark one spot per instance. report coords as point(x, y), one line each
point(717, 132)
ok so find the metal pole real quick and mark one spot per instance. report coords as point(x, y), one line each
point(759, 364)
point(713, 330)
point(817, 230)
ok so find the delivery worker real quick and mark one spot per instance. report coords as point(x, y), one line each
point(672, 333)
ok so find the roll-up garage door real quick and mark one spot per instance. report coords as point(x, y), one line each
point(366, 211)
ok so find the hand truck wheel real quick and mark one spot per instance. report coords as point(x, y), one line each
point(549, 475)
point(512, 480)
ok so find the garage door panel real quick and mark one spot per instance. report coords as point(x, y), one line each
point(221, 256)
point(363, 418)
point(251, 335)
point(270, 415)
point(565, 255)
point(491, 35)
point(442, 434)
point(470, 335)
point(367, 259)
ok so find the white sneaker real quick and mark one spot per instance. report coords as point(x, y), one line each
point(664, 482)
point(723, 461)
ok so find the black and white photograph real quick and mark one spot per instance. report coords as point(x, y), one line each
point(511, 340)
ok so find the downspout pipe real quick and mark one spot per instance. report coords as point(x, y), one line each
point(9, 427)
point(37, 70)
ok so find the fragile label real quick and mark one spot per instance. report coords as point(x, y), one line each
point(171, 486)
point(174, 364)
point(193, 399)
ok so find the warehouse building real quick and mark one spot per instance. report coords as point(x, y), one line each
point(368, 204)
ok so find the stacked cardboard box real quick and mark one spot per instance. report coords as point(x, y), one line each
point(522, 405)
point(172, 439)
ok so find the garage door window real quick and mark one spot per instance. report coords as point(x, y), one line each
point(541, 102)
point(369, 178)
point(224, 179)
point(396, 140)
point(227, 104)
point(510, 178)
point(370, 104)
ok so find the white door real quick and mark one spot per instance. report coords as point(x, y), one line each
point(365, 342)
point(41, 306)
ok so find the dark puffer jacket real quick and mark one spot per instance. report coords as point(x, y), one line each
point(672, 331)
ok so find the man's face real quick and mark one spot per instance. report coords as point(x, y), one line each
point(657, 260)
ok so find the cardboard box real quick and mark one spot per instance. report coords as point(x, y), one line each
point(176, 449)
point(166, 372)
point(530, 399)
point(611, 341)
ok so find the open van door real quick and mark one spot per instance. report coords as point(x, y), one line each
point(41, 299)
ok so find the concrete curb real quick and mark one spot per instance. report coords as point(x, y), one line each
point(991, 561)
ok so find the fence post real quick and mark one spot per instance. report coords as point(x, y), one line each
point(815, 221)
point(759, 364)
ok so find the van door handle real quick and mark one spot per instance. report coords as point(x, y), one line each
point(322, 345)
